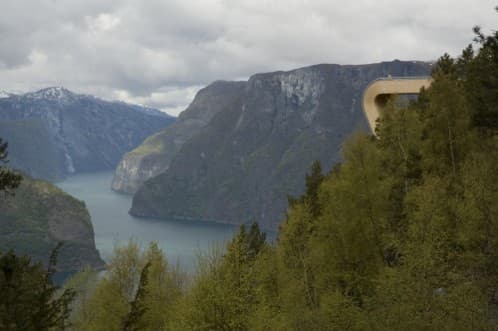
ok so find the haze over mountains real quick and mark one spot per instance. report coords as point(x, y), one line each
point(55, 132)
point(241, 148)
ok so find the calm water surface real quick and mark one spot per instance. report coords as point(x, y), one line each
point(180, 240)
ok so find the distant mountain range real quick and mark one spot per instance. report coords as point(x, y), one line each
point(5, 94)
point(241, 148)
point(55, 132)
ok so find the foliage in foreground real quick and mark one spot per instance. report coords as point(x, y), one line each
point(137, 292)
point(29, 300)
point(403, 235)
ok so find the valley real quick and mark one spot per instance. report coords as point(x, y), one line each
point(181, 241)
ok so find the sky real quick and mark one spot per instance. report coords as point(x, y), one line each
point(161, 52)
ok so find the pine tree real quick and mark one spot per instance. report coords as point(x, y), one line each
point(29, 300)
point(482, 83)
point(137, 292)
point(9, 180)
point(132, 320)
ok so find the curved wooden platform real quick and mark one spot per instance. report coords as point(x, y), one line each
point(379, 91)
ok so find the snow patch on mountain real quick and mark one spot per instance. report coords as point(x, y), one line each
point(5, 94)
point(56, 93)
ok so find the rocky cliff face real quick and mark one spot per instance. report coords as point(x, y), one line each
point(154, 155)
point(257, 148)
point(38, 216)
point(72, 132)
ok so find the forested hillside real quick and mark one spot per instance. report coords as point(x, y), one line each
point(402, 235)
point(38, 216)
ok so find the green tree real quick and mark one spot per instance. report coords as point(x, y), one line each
point(446, 124)
point(29, 300)
point(312, 183)
point(137, 291)
point(482, 83)
point(132, 320)
point(223, 295)
point(9, 180)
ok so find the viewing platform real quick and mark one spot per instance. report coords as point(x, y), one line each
point(379, 91)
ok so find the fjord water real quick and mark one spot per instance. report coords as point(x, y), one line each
point(181, 241)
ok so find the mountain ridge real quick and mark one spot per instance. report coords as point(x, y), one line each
point(255, 150)
point(80, 132)
point(154, 155)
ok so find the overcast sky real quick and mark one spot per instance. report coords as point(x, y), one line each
point(160, 52)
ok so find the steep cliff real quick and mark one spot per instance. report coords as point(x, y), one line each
point(54, 132)
point(154, 155)
point(257, 148)
point(38, 216)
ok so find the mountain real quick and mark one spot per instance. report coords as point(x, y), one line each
point(154, 155)
point(38, 216)
point(258, 144)
point(55, 132)
point(5, 94)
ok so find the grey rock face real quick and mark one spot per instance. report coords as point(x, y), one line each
point(72, 132)
point(154, 155)
point(256, 149)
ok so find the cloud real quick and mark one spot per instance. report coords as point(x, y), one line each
point(102, 23)
point(160, 52)
point(172, 99)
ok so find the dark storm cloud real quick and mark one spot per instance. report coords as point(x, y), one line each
point(159, 52)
